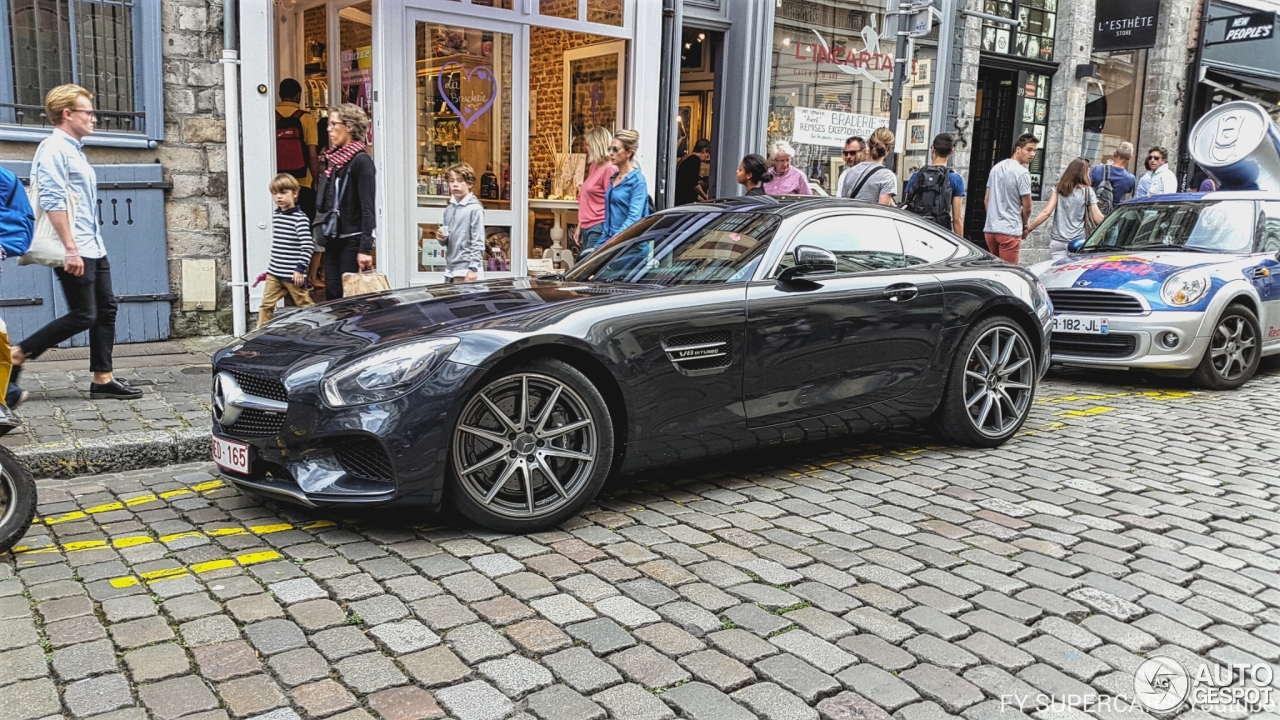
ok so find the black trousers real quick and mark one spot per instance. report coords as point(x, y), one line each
point(339, 257)
point(92, 307)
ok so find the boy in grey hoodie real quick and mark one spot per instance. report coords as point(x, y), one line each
point(462, 232)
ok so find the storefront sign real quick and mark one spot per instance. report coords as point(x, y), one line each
point(474, 89)
point(869, 58)
point(830, 128)
point(1242, 28)
point(1125, 24)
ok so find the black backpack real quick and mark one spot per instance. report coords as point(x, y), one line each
point(931, 195)
point(1106, 193)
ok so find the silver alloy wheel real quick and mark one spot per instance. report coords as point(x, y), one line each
point(999, 379)
point(524, 446)
point(8, 497)
point(1232, 349)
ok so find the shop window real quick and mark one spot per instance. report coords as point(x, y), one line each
point(1113, 109)
point(567, 9)
point(112, 48)
point(355, 57)
point(1035, 121)
point(605, 12)
point(315, 72)
point(1032, 39)
point(432, 253)
point(463, 95)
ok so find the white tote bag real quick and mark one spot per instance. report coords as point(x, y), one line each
point(46, 247)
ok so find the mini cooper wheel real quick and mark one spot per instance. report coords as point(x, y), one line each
point(17, 500)
point(991, 385)
point(530, 448)
point(1234, 351)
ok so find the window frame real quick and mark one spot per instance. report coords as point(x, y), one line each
point(148, 73)
point(789, 247)
point(933, 231)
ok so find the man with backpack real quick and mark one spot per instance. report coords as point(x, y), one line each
point(296, 140)
point(1111, 181)
point(935, 192)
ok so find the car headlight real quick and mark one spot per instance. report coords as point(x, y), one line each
point(386, 374)
point(1185, 288)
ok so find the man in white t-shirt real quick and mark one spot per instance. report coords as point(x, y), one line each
point(1163, 179)
point(1008, 200)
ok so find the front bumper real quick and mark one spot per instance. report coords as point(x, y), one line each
point(315, 455)
point(1135, 342)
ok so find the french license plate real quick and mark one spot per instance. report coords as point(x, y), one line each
point(1080, 324)
point(231, 455)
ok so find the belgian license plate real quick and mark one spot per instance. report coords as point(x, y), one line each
point(231, 455)
point(1080, 324)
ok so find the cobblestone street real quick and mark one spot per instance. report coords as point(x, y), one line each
point(883, 576)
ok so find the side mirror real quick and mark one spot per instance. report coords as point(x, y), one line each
point(809, 260)
point(1075, 246)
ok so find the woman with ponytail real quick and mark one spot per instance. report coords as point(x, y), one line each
point(870, 180)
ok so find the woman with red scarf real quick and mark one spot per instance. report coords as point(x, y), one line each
point(348, 185)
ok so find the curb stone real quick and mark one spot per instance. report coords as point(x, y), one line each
point(115, 453)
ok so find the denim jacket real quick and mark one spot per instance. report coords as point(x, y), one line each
point(625, 204)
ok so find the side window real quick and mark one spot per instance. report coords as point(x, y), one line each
point(861, 243)
point(1268, 240)
point(921, 246)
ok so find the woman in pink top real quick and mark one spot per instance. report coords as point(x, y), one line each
point(786, 180)
point(591, 195)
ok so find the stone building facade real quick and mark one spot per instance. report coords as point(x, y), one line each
point(192, 155)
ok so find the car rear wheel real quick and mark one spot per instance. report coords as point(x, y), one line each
point(530, 448)
point(17, 500)
point(1234, 351)
point(991, 386)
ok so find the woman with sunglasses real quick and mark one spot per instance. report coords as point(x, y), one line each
point(626, 200)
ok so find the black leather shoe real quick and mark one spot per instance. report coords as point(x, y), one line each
point(114, 390)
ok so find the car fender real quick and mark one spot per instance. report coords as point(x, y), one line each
point(1229, 293)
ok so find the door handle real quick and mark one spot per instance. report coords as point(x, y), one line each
point(901, 293)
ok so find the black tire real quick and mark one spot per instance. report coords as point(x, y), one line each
point(1234, 352)
point(1006, 389)
point(524, 472)
point(17, 500)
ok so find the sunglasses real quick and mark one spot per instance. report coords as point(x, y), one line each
point(614, 150)
point(1154, 157)
point(847, 153)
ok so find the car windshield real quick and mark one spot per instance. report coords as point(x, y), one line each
point(699, 248)
point(1217, 227)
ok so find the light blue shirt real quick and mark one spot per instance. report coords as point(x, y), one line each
point(625, 204)
point(59, 165)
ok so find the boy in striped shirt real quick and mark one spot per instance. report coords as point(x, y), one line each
point(291, 248)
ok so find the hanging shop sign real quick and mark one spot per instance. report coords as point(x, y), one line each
point(1243, 28)
point(1125, 24)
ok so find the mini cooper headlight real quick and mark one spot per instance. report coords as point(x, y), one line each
point(1185, 288)
point(386, 374)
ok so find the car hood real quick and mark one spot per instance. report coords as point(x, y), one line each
point(1141, 272)
point(349, 325)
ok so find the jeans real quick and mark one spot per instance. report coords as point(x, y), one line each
point(92, 307)
point(339, 258)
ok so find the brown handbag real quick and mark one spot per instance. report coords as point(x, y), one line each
point(363, 283)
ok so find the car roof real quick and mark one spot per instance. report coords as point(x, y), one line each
point(780, 205)
point(1217, 195)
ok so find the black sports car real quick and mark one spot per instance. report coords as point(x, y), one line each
point(699, 331)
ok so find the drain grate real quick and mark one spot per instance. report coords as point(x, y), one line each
point(131, 350)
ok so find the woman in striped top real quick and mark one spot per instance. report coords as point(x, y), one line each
point(291, 248)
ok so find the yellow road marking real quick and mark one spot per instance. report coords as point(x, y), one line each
point(123, 582)
point(1098, 410)
point(196, 569)
point(140, 500)
point(166, 539)
point(135, 540)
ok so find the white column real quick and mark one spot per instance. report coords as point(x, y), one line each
point(258, 130)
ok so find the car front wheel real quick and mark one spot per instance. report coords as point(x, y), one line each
point(991, 385)
point(530, 448)
point(1234, 351)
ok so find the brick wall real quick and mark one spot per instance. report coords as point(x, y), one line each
point(546, 80)
point(193, 154)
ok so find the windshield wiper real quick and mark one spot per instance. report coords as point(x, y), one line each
point(1173, 248)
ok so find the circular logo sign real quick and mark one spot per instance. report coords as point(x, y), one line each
point(1161, 684)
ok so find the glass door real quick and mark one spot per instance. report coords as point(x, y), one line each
point(463, 110)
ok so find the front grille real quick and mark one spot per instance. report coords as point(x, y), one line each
point(256, 423)
point(1095, 346)
point(703, 338)
point(363, 457)
point(1095, 302)
point(261, 386)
